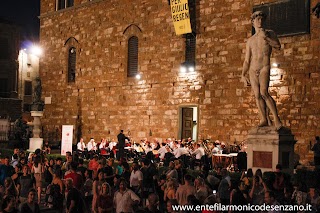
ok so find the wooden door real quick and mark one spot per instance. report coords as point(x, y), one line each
point(187, 122)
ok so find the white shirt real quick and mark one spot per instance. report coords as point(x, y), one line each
point(102, 145)
point(198, 153)
point(135, 178)
point(180, 151)
point(81, 145)
point(112, 144)
point(123, 202)
point(92, 146)
point(162, 151)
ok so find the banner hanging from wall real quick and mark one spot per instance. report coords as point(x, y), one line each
point(180, 16)
point(66, 141)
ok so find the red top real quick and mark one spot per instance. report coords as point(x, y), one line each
point(77, 179)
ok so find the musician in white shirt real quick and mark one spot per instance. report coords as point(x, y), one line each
point(81, 148)
point(198, 153)
point(91, 147)
point(81, 145)
point(178, 152)
point(162, 151)
point(103, 144)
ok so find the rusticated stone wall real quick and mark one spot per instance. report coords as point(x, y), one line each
point(103, 99)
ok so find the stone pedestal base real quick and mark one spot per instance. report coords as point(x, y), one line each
point(267, 147)
point(35, 143)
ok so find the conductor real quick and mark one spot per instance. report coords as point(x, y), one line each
point(121, 144)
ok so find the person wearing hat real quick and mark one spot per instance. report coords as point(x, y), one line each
point(257, 65)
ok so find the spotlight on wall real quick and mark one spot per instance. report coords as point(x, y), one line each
point(187, 67)
point(276, 65)
point(138, 76)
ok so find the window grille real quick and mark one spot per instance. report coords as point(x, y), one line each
point(72, 64)
point(132, 56)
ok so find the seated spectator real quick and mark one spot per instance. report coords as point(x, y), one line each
point(47, 148)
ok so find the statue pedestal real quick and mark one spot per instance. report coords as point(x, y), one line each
point(267, 147)
point(36, 142)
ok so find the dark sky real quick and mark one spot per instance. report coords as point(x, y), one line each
point(25, 14)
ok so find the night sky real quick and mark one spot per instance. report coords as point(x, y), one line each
point(25, 14)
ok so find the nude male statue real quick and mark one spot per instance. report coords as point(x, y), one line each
point(257, 64)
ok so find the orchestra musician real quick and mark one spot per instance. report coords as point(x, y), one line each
point(103, 146)
point(112, 148)
point(162, 151)
point(81, 148)
point(91, 147)
point(197, 155)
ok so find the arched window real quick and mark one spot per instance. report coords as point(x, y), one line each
point(72, 57)
point(132, 56)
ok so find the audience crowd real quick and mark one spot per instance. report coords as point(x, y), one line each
point(102, 184)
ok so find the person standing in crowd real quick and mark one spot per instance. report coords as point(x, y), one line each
point(104, 201)
point(124, 199)
point(9, 188)
point(96, 189)
point(316, 151)
point(25, 183)
point(153, 203)
point(136, 178)
point(224, 187)
point(76, 178)
point(74, 200)
point(9, 204)
point(121, 144)
point(30, 206)
point(37, 171)
point(184, 190)
point(6, 170)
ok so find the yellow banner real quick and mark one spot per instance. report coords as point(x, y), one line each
point(180, 16)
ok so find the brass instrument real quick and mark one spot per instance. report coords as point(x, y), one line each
point(207, 151)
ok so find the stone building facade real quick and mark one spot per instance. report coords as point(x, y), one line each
point(102, 99)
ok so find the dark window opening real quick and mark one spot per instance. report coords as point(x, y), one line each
point(26, 107)
point(190, 48)
point(287, 17)
point(4, 93)
point(132, 56)
point(62, 4)
point(27, 88)
point(72, 64)
point(4, 48)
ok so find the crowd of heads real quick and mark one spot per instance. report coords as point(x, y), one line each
point(148, 186)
